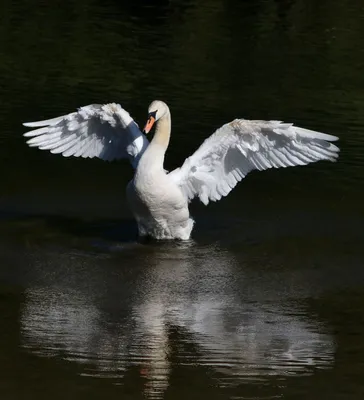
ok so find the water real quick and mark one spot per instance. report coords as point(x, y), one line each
point(266, 300)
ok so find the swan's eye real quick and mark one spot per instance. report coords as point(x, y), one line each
point(153, 114)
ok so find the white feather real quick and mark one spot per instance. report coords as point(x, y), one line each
point(107, 132)
point(241, 146)
point(159, 201)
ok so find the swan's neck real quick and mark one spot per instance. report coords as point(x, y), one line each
point(153, 159)
point(163, 131)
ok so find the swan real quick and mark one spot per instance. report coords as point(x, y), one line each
point(159, 200)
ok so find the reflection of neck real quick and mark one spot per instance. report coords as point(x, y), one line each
point(158, 369)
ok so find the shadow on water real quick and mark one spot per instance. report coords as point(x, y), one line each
point(101, 232)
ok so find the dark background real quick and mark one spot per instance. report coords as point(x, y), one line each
point(267, 299)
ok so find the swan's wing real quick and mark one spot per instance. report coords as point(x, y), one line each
point(241, 146)
point(104, 131)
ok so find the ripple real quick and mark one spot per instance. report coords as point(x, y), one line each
point(185, 310)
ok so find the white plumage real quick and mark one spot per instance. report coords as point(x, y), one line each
point(159, 200)
point(104, 131)
point(237, 148)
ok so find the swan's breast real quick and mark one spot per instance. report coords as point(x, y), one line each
point(156, 194)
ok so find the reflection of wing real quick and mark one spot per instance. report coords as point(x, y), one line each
point(188, 300)
point(104, 131)
point(237, 148)
point(258, 342)
point(68, 324)
point(266, 339)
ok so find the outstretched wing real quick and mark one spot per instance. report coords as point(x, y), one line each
point(237, 148)
point(104, 131)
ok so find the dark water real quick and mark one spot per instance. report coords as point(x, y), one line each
point(267, 299)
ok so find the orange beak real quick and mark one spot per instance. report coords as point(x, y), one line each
point(149, 124)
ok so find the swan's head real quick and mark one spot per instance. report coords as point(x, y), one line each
point(156, 110)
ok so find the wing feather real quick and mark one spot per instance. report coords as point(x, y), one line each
point(104, 131)
point(237, 148)
point(84, 147)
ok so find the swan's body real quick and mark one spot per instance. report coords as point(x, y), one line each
point(159, 200)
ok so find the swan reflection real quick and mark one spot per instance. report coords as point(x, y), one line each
point(192, 299)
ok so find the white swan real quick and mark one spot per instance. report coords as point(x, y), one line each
point(159, 200)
